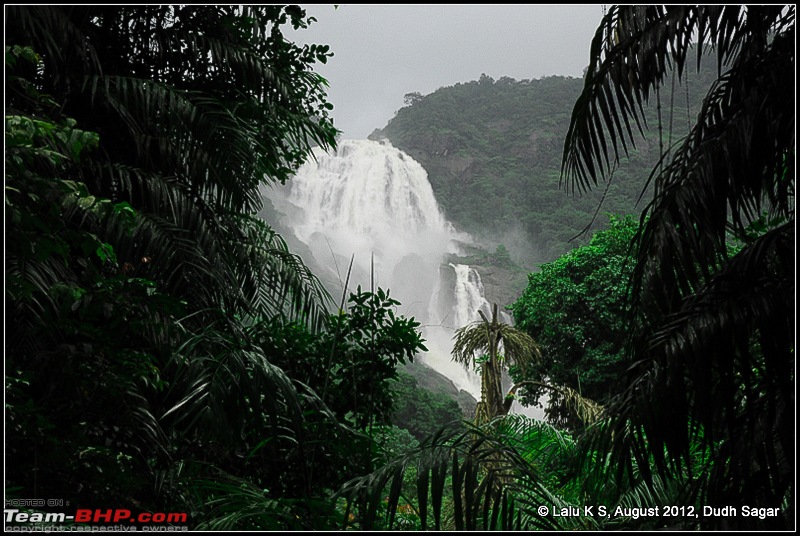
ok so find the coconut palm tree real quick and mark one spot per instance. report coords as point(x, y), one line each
point(712, 351)
point(487, 336)
point(485, 339)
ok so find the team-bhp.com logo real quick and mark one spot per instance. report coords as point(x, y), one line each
point(96, 516)
point(120, 515)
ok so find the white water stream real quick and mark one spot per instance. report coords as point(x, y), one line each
point(371, 201)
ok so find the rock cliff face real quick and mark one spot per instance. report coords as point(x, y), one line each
point(432, 381)
point(503, 279)
point(501, 285)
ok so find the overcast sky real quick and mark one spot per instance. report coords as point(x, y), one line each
point(382, 52)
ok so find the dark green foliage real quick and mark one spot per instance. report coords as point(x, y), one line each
point(576, 308)
point(353, 363)
point(196, 108)
point(493, 477)
point(329, 370)
point(713, 333)
point(82, 334)
point(137, 144)
point(502, 257)
point(372, 342)
point(392, 441)
point(420, 411)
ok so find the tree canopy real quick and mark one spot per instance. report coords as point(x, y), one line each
point(576, 307)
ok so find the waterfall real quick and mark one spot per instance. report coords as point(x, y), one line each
point(373, 202)
point(469, 297)
point(455, 302)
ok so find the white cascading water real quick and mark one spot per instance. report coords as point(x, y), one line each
point(373, 202)
point(468, 295)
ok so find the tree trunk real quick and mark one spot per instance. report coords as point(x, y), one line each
point(491, 373)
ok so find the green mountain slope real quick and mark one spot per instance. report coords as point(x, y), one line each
point(493, 150)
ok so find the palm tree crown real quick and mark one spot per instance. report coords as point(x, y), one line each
point(487, 336)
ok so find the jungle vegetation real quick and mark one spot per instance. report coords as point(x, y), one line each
point(165, 351)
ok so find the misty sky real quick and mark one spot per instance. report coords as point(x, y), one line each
point(382, 52)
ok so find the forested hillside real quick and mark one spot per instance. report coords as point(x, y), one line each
point(493, 151)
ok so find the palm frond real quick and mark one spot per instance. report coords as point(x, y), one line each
point(519, 348)
point(586, 410)
point(724, 349)
point(737, 162)
point(474, 339)
point(223, 382)
point(279, 281)
point(712, 349)
point(632, 53)
point(492, 484)
point(469, 341)
point(184, 155)
point(232, 503)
